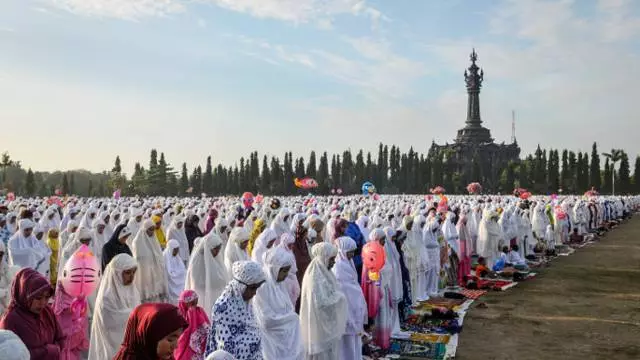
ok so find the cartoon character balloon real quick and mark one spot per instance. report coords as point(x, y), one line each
point(373, 257)
point(368, 189)
point(81, 277)
point(247, 199)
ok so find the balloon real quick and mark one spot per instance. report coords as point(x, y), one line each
point(368, 188)
point(117, 194)
point(259, 199)
point(275, 204)
point(58, 192)
point(11, 196)
point(438, 190)
point(333, 191)
point(80, 278)
point(373, 256)
point(305, 183)
point(474, 188)
point(339, 191)
point(376, 197)
point(247, 199)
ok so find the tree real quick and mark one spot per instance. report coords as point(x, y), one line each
point(624, 173)
point(30, 183)
point(595, 178)
point(117, 168)
point(207, 180)
point(636, 176)
point(184, 179)
point(90, 188)
point(65, 184)
point(323, 174)
point(564, 174)
point(72, 184)
point(265, 177)
point(614, 156)
point(606, 178)
point(311, 165)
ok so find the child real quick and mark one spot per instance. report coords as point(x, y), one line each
point(481, 269)
point(74, 325)
point(193, 341)
point(514, 259)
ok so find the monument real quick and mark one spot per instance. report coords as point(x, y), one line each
point(474, 156)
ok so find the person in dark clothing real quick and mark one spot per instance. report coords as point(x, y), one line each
point(117, 244)
point(404, 305)
point(192, 230)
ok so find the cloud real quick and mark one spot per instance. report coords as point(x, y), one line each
point(121, 9)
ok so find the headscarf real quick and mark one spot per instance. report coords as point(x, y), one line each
point(162, 240)
point(233, 252)
point(347, 278)
point(114, 302)
point(192, 342)
point(258, 228)
point(147, 325)
point(220, 355)
point(40, 333)
point(275, 313)
point(114, 247)
point(11, 347)
point(231, 312)
point(151, 278)
point(291, 283)
point(28, 251)
point(206, 274)
point(323, 307)
point(261, 244)
point(176, 271)
point(179, 235)
point(301, 253)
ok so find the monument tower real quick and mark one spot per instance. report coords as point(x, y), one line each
point(474, 146)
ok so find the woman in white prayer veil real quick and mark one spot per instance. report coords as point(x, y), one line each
point(345, 272)
point(236, 249)
point(105, 217)
point(291, 282)
point(88, 218)
point(82, 236)
point(48, 221)
point(363, 225)
point(413, 248)
point(99, 237)
point(27, 251)
point(206, 274)
point(489, 236)
point(221, 228)
point(220, 355)
point(67, 234)
point(323, 306)
point(175, 271)
point(116, 298)
point(264, 242)
point(7, 273)
point(151, 279)
point(280, 223)
point(135, 222)
point(275, 314)
point(176, 231)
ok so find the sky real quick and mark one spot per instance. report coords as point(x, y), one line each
point(82, 81)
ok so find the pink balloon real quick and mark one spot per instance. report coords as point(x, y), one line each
point(373, 256)
point(247, 199)
point(81, 274)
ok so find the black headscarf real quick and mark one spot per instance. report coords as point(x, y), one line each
point(114, 247)
point(192, 230)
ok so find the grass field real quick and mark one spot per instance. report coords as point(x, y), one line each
point(584, 306)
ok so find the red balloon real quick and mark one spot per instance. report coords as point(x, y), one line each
point(373, 256)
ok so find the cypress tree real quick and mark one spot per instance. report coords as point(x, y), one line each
point(207, 178)
point(636, 176)
point(184, 179)
point(606, 178)
point(30, 183)
point(265, 178)
point(595, 178)
point(624, 173)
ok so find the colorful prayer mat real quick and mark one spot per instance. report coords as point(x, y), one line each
point(408, 349)
point(472, 294)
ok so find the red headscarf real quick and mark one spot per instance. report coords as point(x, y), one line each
point(41, 332)
point(147, 325)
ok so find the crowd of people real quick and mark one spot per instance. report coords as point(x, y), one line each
point(267, 278)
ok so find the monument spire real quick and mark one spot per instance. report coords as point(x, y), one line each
point(473, 132)
point(473, 80)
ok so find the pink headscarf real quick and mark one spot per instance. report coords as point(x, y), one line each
point(196, 333)
point(74, 325)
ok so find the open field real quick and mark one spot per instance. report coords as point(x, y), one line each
point(584, 306)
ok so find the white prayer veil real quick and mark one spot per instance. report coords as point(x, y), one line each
point(274, 311)
point(114, 303)
point(260, 247)
point(207, 275)
point(175, 271)
point(323, 307)
point(233, 252)
point(12, 347)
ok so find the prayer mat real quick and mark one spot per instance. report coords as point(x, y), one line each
point(472, 294)
point(423, 325)
point(408, 350)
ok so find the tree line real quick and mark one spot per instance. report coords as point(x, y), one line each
point(392, 171)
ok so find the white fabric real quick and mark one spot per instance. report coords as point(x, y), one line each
point(347, 277)
point(28, 251)
point(12, 347)
point(489, 236)
point(291, 282)
point(98, 239)
point(178, 234)
point(206, 274)
point(151, 278)
point(220, 355)
point(323, 307)
point(7, 273)
point(233, 252)
point(114, 304)
point(72, 246)
point(275, 314)
point(175, 271)
point(261, 243)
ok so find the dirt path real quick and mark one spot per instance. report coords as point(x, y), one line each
point(584, 306)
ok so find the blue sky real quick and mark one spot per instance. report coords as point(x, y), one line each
point(82, 81)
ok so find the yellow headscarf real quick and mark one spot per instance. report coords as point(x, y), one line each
point(159, 233)
point(258, 227)
point(54, 245)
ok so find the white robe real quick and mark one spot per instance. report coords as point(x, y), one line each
point(151, 278)
point(207, 275)
point(175, 272)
